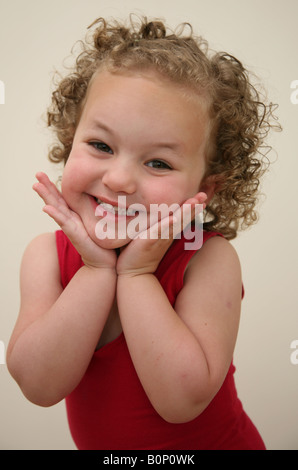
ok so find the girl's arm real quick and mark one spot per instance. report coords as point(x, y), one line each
point(57, 330)
point(182, 354)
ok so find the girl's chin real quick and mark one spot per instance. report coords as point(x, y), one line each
point(111, 244)
point(107, 238)
point(115, 235)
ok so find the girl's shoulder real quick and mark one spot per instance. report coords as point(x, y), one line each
point(42, 247)
point(216, 267)
point(216, 253)
point(40, 263)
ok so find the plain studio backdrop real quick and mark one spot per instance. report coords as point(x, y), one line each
point(35, 38)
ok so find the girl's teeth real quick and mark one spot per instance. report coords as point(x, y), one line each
point(116, 210)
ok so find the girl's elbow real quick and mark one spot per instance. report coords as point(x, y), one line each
point(182, 413)
point(32, 388)
point(40, 398)
point(38, 395)
point(180, 416)
point(188, 404)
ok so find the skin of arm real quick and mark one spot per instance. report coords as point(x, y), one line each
point(182, 354)
point(57, 330)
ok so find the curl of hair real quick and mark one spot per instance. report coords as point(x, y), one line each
point(240, 119)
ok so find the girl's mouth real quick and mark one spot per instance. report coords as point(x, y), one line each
point(116, 210)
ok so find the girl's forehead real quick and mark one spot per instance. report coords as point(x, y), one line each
point(146, 87)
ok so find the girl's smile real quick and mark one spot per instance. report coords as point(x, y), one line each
point(118, 209)
point(139, 136)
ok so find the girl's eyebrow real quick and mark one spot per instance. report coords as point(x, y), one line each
point(101, 125)
point(174, 146)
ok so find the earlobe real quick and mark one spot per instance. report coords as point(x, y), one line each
point(208, 186)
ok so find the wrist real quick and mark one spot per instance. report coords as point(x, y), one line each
point(99, 269)
point(133, 279)
point(130, 274)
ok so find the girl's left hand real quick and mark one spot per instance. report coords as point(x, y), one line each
point(144, 253)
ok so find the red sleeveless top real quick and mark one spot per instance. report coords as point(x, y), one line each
point(109, 409)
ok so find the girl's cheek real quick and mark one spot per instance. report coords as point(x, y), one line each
point(73, 176)
point(70, 184)
point(169, 195)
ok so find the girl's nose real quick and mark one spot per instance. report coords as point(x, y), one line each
point(120, 177)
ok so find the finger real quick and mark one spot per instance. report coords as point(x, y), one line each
point(45, 188)
point(70, 223)
point(191, 210)
point(43, 192)
point(188, 214)
point(52, 200)
point(171, 225)
point(160, 230)
point(56, 215)
point(44, 180)
point(49, 193)
point(199, 198)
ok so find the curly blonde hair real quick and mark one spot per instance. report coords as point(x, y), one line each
point(240, 121)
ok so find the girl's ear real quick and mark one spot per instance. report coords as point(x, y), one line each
point(208, 186)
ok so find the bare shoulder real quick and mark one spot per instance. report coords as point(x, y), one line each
point(40, 258)
point(218, 245)
point(214, 273)
point(40, 274)
point(218, 258)
point(42, 243)
point(40, 265)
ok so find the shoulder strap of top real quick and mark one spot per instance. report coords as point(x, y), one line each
point(170, 271)
point(69, 259)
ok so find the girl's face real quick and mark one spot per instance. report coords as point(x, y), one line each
point(140, 137)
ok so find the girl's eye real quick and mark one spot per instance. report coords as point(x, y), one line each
point(101, 146)
point(159, 165)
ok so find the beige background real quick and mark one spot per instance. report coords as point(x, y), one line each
point(35, 37)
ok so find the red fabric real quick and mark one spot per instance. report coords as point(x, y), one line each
point(109, 409)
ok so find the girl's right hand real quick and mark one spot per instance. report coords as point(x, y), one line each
point(72, 225)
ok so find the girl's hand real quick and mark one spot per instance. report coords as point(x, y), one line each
point(72, 225)
point(144, 253)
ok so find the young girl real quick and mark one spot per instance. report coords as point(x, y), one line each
point(138, 333)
